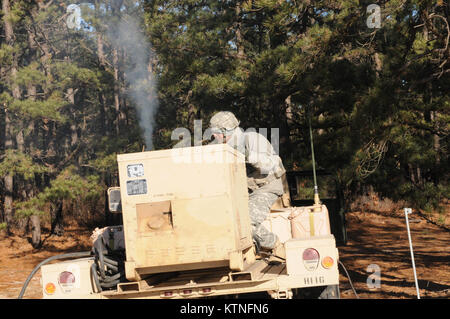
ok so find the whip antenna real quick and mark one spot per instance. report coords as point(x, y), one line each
point(316, 188)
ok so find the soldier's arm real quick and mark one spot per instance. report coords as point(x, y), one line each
point(261, 154)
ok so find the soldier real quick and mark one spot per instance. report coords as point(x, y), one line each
point(264, 170)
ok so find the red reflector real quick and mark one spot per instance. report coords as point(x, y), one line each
point(310, 259)
point(66, 277)
point(205, 291)
point(310, 254)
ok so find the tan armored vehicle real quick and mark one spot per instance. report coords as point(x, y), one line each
point(186, 234)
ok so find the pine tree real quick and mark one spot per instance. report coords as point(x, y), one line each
point(275, 62)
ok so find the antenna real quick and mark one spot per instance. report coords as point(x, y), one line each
point(316, 188)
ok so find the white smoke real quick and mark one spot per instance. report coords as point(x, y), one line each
point(128, 36)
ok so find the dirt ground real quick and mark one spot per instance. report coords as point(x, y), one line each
point(18, 259)
point(381, 239)
point(374, 238)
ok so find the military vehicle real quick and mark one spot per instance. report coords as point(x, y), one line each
point(186, 233)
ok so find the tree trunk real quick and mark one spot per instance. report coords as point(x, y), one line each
point(436, 148)
point(31, 144)
point(411, 174)
point(239, 35)
point(116, 89)
point(56, 214)
point(21, 223)
point(8, 205)
point(46, 54)
point(102, 98)
point(30, 186)
point(35, 231)
point(116, 10)
point(8, 179)
point(73, 125)
point(285, 122)
point(378, 64)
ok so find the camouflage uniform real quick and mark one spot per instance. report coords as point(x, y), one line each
point(259, 208)
point(262, 164)
point(264, 171)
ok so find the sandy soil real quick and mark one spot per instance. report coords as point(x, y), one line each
point(374, 239)
point(382, 240)
point(18, 259)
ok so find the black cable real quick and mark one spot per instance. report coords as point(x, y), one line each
point(94, 275)
point(99, 252)
point(349, 279)
point(110, 266)
point(110, 261)
point(109, 270)
point(63, 256)
point(113, 277)
point(110, 284)
point(109, 281)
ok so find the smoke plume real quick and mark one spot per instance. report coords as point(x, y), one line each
point(128, 36)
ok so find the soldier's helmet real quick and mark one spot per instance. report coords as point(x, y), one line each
point(223, 122)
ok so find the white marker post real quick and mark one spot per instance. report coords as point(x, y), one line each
point(409, 211)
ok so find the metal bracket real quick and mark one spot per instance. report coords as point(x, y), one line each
point(281, 294)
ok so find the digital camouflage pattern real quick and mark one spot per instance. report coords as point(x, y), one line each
point(259, 208)
point(224, 122)
point(264, 170)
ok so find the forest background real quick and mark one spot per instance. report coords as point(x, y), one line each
point(81, 82)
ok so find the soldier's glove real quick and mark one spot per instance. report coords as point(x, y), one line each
point(251, 184)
